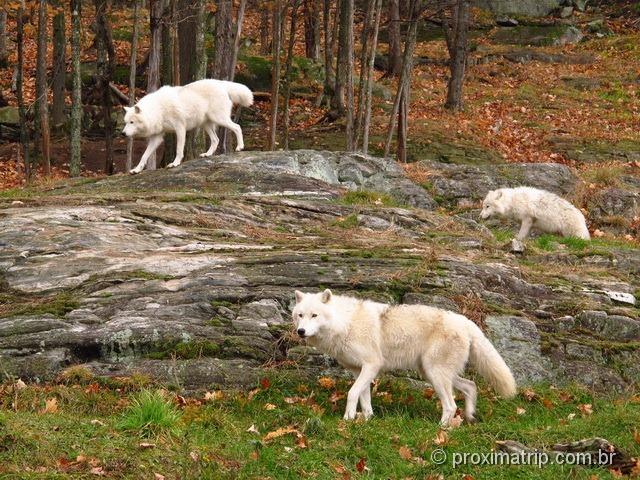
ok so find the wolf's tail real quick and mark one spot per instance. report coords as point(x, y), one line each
point(240, 94)
point(488, 362)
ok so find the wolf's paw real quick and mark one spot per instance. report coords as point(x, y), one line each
point(134, 171)
point(349, 415)
point(239, 148)
point(205, 154)
point(367, 414)
point(173, 164)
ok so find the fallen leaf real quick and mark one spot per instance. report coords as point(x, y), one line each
point(269, 406)
point(586, 408)
point(213, 396)
point(428, 393)
point(99, 471)
point(341, 470)
point(252, 393)
point(405, 452)
point(442, 437)
point(194, 456)
point(571, 416)
point(253, 429)
point(95, 421)
point(265, 383)
point(327, 382)
point(636, 436)
point(19, 385)
point(301, 442)
point(157, 476)
point(456, 421)
point(50, 405)
point(520, 411)
point(528, 394)
point(278, 433)
point(146, 445)
point(361, 465)
point(547, 403)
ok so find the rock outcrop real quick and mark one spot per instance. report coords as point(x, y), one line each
point(188, 274)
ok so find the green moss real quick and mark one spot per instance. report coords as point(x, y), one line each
point(184, 350)
point(350, 221)
point(58, 305)
point(501, 234)
point(369, 198)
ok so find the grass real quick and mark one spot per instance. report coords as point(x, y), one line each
point(297, 432)
point(58, 305)
point(549, 242)
point(369, 198)
point(151, 413)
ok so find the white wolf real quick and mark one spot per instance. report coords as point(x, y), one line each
point(367, 337)
point(536, 208)
point(205, 103)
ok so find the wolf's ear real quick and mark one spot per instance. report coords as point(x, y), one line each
point(326, 296)
point(498, 194)
point(126, 109)
point(137, 109)
point(299, 296)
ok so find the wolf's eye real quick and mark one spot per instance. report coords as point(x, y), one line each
point(300, 315)
point(314, 315)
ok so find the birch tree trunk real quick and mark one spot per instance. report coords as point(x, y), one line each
point(366, 123)
point(76, 93)
point(132, 78)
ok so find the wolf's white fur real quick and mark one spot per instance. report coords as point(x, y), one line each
point(367, 337)
point(205, 103)
point(536, 208)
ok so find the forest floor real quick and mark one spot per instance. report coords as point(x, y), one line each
point(575, 110)
point(85, 427)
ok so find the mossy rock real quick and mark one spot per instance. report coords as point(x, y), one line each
point(9, 115)
point(537, 35)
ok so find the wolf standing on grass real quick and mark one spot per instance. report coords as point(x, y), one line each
point(367, 337)
point(536, 208)
point(205, 103)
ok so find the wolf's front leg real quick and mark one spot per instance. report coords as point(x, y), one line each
point(152, 145)
point(365, 397)
point(527, 222)
point(367, 374)
point(180, 137)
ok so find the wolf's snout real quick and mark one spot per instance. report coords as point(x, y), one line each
point(301, 332)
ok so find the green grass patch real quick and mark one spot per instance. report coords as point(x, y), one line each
point(297, 428)
point(368, 198)
point(350, 221)
point(502, 234)
point(58, 305)
point(608, 176)
point(185, 350)
point(151, 412)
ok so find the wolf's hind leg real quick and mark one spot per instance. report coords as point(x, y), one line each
point(210, 128)
point(470, 392)
point(180, 138)
point(152, 145)
point(235, 128)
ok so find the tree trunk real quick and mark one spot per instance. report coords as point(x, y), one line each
point(59, 70)
point(329, 73)
point(403, 119)
point(405, 74)
point(287, 72)
point(166, 74)
point(4, 54)
point(222, 58)
point(105, 68)
point(76, 93)
point(200, 60)
point(187, 30)
point(236, 39)
point(275, 72)
point(24, 139)
point(369, 83)
point(367, 28)
point(312, 29)
point(456, 35)
point(394, 64)
point(265, 34)
point(42, 117)
point(343, 92)
point(156, 8)
point(132, 78)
